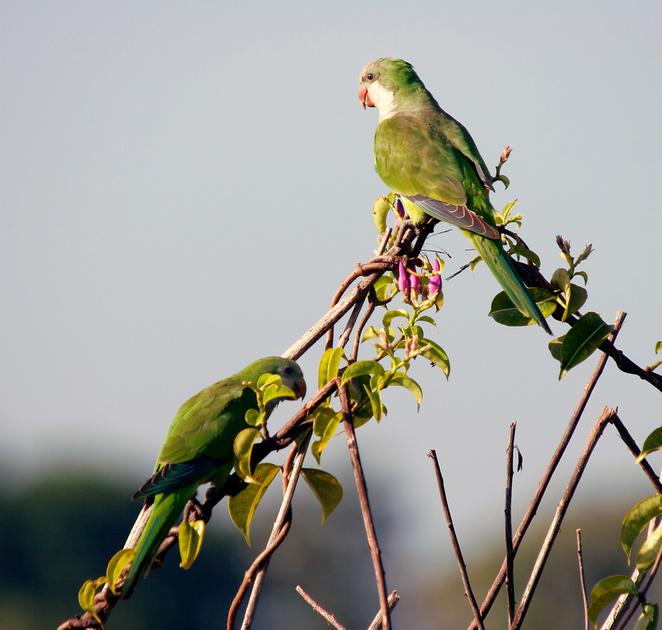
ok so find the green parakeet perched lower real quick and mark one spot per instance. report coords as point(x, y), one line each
point(199, 448)
point(431, 161)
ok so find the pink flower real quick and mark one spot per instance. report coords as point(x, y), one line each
point(399, 211)
point(415, 284)
point(434, 283)
point(403, 280)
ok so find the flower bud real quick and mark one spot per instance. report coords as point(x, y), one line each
point(403, 280)
point(434, 283)
point(415, 284)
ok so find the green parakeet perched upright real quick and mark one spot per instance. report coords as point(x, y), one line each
point(199, 448)
point(431, 161)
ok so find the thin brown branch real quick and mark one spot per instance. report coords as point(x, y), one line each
point(555, 526)
point(582, 577)
point(634, 449)
point(351, 321)
point(454, 541)
point(358, 293)
point(393, 599)
point(318, 609)
point(620, 608)
point(628, 366)
point(359, 330)
point(549, 472)
point(510, 555)
point(641, 595)
point(280, 528)
point(359, 477)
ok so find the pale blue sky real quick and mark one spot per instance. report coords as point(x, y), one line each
point(185, 184)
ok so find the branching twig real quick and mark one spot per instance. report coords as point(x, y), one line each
point(549, 472)
point(409, 242)
point(561, 510)
point(456, 545)
point(280, 527)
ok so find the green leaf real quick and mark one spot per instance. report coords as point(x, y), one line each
point(329, 365)
point(253, 417)
point(583, 340)
point(380, 212)
point(361, 368)
point(410, 384)
point(560, 280)
point(651, 444)
point(427, 319)
point(385, 288)
point(648, 618)
point(277, 390)
point(190, 540)
point(506, 313)
point(606, 590)
point(389, 316)
point(520, 250)
point(267, 379)
point(555, 347)
point(576, 296)
point(581, 274)
point(326, 488)
point(658, 346)
point(649, 550)
point(325, 425)
point(86, 595)
point(116, 565)
point(242, 506)
point(637, 519)
point(370, 333)
point(437, 355)
point(243, 447)
point(375, 400)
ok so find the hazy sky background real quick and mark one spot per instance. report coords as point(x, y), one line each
point(185, 184)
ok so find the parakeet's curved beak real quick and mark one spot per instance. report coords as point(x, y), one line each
point(300, 388)
point(364, 98)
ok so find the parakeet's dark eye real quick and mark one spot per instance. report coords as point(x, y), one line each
point(370, 76)
point(288, 371)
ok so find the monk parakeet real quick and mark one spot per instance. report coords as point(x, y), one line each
point(198, 448)
point(431, 161)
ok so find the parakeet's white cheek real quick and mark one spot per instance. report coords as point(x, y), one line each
point(383, 99)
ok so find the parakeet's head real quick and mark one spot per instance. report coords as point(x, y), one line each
point(383, 80)
point(290, 373)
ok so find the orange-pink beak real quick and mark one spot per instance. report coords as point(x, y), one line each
point(364, 97)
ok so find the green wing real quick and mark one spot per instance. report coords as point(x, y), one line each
point(413, 158)
point(203, 422)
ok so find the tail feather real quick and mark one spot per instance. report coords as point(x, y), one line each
point(504, 271)
point(166, 510)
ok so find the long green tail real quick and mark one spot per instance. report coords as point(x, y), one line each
point(166, 510)
point(504, 271)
